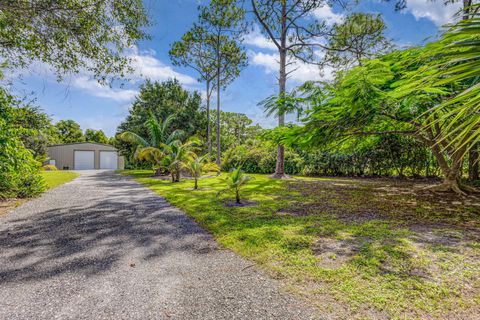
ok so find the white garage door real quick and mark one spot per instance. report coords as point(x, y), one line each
point(84, 160)
point(108, 160)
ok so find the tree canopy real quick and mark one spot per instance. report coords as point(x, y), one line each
point(162, 100)
point(98, 136)
point(69, 131)
point(72, 35)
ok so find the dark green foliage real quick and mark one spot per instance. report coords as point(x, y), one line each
point(223, 22)
point(260, 158)
point(72, 35)
point(380, 98)
point(39, 131)
point(235, 129)
point(196, 50)
point(390, 155)
point(162, 100)
point(97, 136)
point(19, 171)
point(69, 131)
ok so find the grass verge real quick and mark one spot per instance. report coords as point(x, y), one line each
point(358, 249)
point(55, 178)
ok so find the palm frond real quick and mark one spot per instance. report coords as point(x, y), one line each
point(175, 135)
point(154, 130)
point(166, 122)
point(150, 154)
point(460, 65)
point(133, 138)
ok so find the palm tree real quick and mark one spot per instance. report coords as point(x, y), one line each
point(151, 148)
point(176, 155)
point(235, 181)
point(452, 68)
point(200, 165)
point(458, 61)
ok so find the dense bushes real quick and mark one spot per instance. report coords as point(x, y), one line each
point(373, 156)
point(378, 156)
point(260, 158)
point(19, 171)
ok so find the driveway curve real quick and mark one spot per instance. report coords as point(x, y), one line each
point(105, 247)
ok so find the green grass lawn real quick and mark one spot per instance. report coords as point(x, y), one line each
point(55, 178)
point(358, 249)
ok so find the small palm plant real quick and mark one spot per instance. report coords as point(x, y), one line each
point(176, 155)
point(236, 180)
point(200, 165)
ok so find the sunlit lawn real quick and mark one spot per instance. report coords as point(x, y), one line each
point(356, 249)
point(55, 178)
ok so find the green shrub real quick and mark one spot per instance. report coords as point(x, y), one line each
point(379, 156)
point(19, 171)
point(374, 156)
point(260, 158)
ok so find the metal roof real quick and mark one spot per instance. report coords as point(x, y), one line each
point(67, 144)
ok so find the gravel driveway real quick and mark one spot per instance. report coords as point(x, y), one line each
point(105, 247)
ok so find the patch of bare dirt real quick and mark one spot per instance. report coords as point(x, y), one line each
point(405, 201)
point(10, 204)
point(162, 177)
point(331, 308)
point(333, 253)
point(441, 247)
point(199, 189)
point(245, 203)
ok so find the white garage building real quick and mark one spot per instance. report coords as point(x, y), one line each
point(85, 156)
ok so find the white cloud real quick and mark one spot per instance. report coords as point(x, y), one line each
point(144, 63)
point(325, 13)
point(269, 61)
point(436, 11)
point(257, 39)
point(147, 66)
point(92, 87)
point(301, 71)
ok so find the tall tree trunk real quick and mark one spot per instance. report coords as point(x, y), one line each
point(451, 172)
point(282, 80)
point(473, 159)
point(218, 112)
point(209, 138)
point(196, 184)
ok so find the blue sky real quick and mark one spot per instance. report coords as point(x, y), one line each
point(80, 98)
